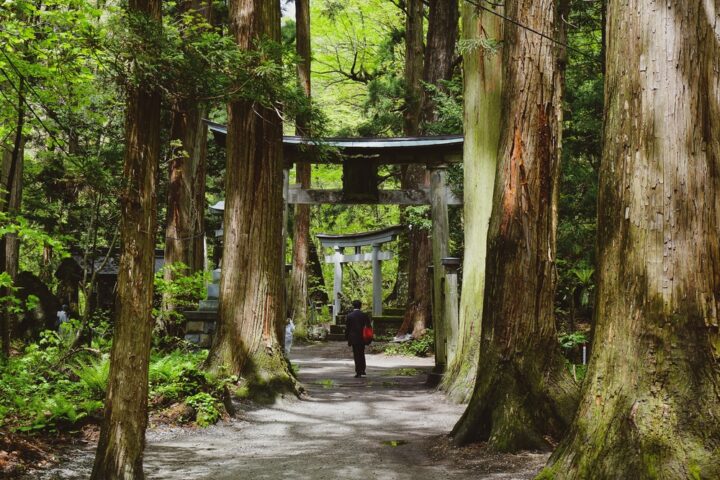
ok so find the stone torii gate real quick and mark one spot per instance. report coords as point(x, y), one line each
point(360, 159)
point(376, 239)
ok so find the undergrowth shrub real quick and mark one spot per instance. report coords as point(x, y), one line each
point(207, 410)
point(40, 391)
point(420, 347)
point(93, 374)
point(48, 388)
point(571, 345)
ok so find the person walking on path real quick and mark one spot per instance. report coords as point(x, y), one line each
point(354, 324)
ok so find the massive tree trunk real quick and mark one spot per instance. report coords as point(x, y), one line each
point(298, 301)
point(12, 242)
point(251, 286)
point(417, 311)
point(122, 438)
point(419, 254)
point(650, 406)
point(186, 177)
point(436, 66)
point(440, 51)
point(523, 391)
point(10, 198)
point(482, 98)
point(413, 67)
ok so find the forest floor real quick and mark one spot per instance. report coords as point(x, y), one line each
point(388, 425)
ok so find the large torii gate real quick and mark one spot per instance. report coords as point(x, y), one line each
point(360, 159)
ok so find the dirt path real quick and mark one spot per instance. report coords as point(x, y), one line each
point(385, 426)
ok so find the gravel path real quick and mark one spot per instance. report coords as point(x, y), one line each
point(383, 426)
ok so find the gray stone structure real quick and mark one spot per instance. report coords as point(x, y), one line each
point(356, 241)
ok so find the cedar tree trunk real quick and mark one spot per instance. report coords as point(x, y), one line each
point(251, 286)
point(419, 253)
point(122, 437)
point(298, 301)
point(523, 392)
point(186, 164)
point(436, 67)
point(10, 202)
point(482, 97)
point(440, 51)
point(650, 406)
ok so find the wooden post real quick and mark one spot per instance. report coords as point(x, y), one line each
point(376, 281)
point(451, 304)
point(337, 281)
point(440, 238)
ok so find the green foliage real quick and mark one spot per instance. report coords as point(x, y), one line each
point(582, 150)
point(448, 105)
point(415, 348)
point(206, 409)
point(358, 55)
point(183, 291)
point(44, 388)
point(568, 341)
point(326, 383)
point(468, 45)
point(93, 374)
point(176, 375)
point(38, 392)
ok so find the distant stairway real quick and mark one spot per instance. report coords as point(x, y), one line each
point(200, 324)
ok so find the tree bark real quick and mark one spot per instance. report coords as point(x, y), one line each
point(650, 406)
point(419, 253)
point(316, 282)
point(523, 391)
point(197, 213)
point(251, 286)
point(185, 177)
point(413, 67)
point(417, 312)
point(482, 98)
point(122, 437)
point(436, 65)
point(10, 202)
point(298, 301)
point(440, 51)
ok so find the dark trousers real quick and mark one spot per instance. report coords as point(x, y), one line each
point(359, 357)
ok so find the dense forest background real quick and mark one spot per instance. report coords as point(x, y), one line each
point(108, 174)
point(64, 72)
point(73, 128)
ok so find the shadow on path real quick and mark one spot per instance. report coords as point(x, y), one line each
point(383, 426)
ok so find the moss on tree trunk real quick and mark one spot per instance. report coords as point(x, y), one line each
point(482, 91)
point(523, 392)
point(252, 303)
point(650, 406)
point(122, 437)
point(298, 292)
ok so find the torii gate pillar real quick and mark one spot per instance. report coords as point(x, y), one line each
point(337, 280)
point(440, 239)
point(377, 308)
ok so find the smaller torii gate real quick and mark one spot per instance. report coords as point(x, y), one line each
point(376, 239)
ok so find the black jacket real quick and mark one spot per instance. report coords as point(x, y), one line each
point(354, 323)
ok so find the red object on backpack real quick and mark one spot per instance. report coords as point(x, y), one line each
point(367, 335)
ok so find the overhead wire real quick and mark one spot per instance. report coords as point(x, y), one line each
point(525, 27)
